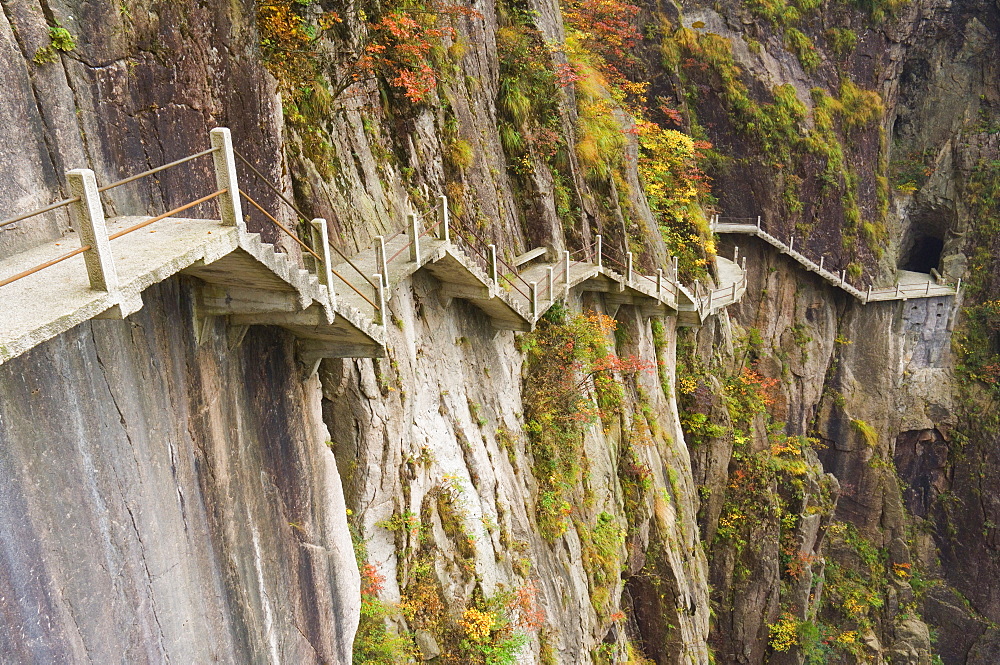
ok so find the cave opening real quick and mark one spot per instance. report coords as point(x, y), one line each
point(924, 255)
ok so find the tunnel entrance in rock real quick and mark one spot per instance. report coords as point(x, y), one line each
point(923, 255)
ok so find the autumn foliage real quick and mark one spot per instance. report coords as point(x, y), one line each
point(401, 44)
point(573, 380)
point(396, 46)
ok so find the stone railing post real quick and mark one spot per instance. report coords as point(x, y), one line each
point(736, 254)
point(322, 247)
point(414, 231)
point(380, 317)
point(444, 232)
point(88, 219)
point(381, 260)
point(600, 263)
point(659, 282)
point(869, 296)
point(534, 299)
point(758, 221)
point(566, 262)
point(628, 278)
point(552, 285)
point(494, 275)
point(225, 177)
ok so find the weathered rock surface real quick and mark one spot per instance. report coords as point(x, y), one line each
point(169, 500)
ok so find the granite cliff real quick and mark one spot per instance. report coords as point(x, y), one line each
point(803, 479)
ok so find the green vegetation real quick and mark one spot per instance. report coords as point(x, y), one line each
point(572, 381)
point(485, 630)
point(375, 643)
point(60, 39)
point(778, 129)
point(867, 433)
point(977, 340)
point(612, 97)
point(799, 43)
point(841, 40)
point(603, 549)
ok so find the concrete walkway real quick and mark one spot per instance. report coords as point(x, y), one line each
point(909, 284)
point(251, 282)
point(334, 310)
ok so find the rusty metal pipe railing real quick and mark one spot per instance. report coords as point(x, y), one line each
point(307, 248)
point(304, 217)
point(139, 176)
point(281, 226)
point(500, 260)
point(43, 266)
point(169, 213)
point(39, 211)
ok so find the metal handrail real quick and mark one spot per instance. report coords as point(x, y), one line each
point(282, 227)
point(303, 216)
point(400, 251)
point(169, 213)
point(164, 167)
point(119, 234)
point(511, 269)
point(125, 181)
point(39, 211)
point(31, 271)
point(308, 249)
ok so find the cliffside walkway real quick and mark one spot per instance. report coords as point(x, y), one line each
point(908, 285)
point(335, 304)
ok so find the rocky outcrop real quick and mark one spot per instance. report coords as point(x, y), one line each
point(170, 499)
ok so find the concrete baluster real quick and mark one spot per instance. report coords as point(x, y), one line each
point(566, 261)
point(414, 229)
point(493, 264)
point(87, 215)
point(380, 315)
point(381, 259)
point(958, 287)
point(534, 299)
point(843, 277)
point(758, 221)
point(869, 296)
point(744, 267)
point(444, 233)
point(791, 243)
point(821, 259)
point(600, 260)
point(628, 277)
point(322, 247)
point(552, 286)
point(736, 254)
point(230, 206)
point(659, 282)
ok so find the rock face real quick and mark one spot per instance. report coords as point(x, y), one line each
point(170, 500)
point(177, 491)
